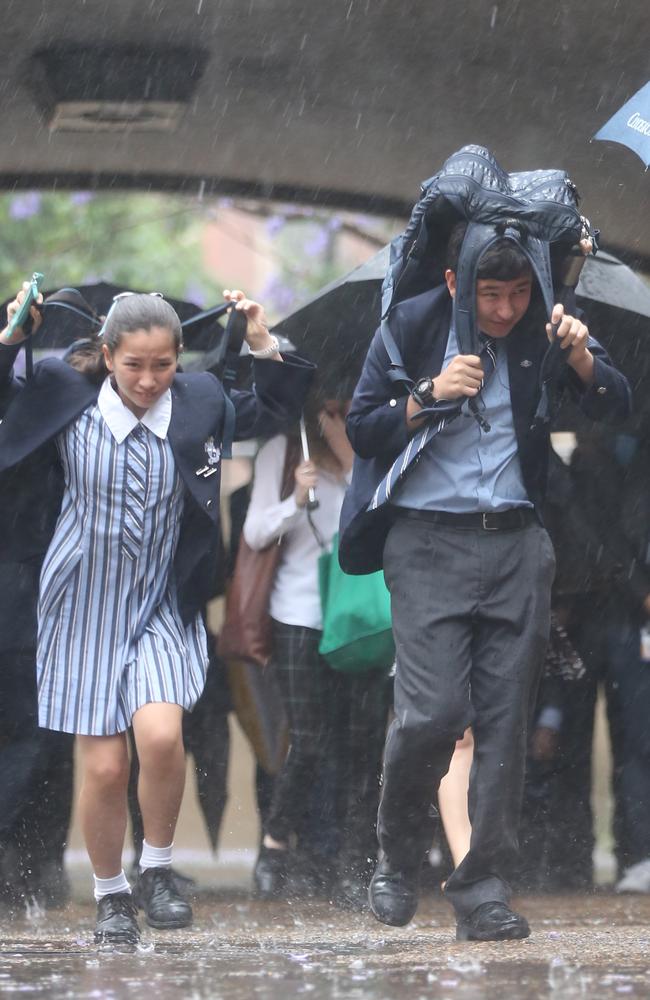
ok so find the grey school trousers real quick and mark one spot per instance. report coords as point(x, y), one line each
point(471, 617)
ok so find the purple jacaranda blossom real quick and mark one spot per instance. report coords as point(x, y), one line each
point(196, 293)
point(274, 225)
point(25, 205)
point(81, 197)
point(277, 295)
point(317, 243)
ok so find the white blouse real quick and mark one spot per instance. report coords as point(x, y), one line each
point(295, 598)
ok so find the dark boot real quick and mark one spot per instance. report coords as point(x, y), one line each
point(270, 873)
point(161, 901)
point(492, 922)
point(393, 893)
point(116, 920)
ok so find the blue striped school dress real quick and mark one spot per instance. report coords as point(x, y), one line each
point(111, 638)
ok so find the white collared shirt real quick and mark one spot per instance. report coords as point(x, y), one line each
point(295, 597)
point(120, 420)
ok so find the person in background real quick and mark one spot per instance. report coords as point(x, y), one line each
point(332, 718)
point(36, 764)
point(452, 798)
point(605, 606)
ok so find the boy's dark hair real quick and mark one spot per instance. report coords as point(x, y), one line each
point(503, 261)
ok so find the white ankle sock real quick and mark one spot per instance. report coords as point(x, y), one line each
point(155, 857)
point(106, 886)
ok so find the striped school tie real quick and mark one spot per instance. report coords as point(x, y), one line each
point(135, 493)
point(443, 416)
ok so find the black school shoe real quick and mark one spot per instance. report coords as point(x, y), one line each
point(393, 894)
point(158, 896)
point(492, 922)
point(185, 884)
point(116, 920)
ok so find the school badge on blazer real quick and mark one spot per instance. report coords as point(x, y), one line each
point(213, 453)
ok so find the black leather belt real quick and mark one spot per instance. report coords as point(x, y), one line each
point(501, 520)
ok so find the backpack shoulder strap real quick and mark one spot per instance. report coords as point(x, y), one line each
point(234, 337)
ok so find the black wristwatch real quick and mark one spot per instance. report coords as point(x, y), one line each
point(422, 392)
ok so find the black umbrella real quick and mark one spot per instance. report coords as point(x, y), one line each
point(65, 320)
point(334, 328)
point(617, 303)
point(71, 314)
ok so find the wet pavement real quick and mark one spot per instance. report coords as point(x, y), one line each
point(594, 946)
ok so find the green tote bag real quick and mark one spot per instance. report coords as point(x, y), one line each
point(357, 634)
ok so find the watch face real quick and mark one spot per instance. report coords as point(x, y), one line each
point(423, 385)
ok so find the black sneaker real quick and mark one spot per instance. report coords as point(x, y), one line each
point(116, 920)
point(161, 901)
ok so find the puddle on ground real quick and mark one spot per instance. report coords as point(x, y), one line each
point(244, 951)
point(237, 973)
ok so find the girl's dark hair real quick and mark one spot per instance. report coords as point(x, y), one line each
point(503, 261)
point(126, 315)
point(86, 356)
point(317, 400)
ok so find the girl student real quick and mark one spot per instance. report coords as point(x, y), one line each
point(130, 564)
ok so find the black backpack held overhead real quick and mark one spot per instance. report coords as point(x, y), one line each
point(537, 209)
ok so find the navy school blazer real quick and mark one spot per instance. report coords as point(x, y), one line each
point(376, 423)
point(37, 410)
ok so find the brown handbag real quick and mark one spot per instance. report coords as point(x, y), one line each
point(246, 630)
point(245, 641)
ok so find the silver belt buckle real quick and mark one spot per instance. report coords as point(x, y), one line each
point(486, 524)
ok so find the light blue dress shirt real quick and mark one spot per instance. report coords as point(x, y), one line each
point(465, 469)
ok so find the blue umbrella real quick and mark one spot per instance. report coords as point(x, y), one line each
point(630, 126)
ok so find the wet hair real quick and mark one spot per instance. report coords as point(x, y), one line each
point(503, 261)
point(126, 315)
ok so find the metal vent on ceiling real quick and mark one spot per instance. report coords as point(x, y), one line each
point(116, 88)
point(116, 116)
